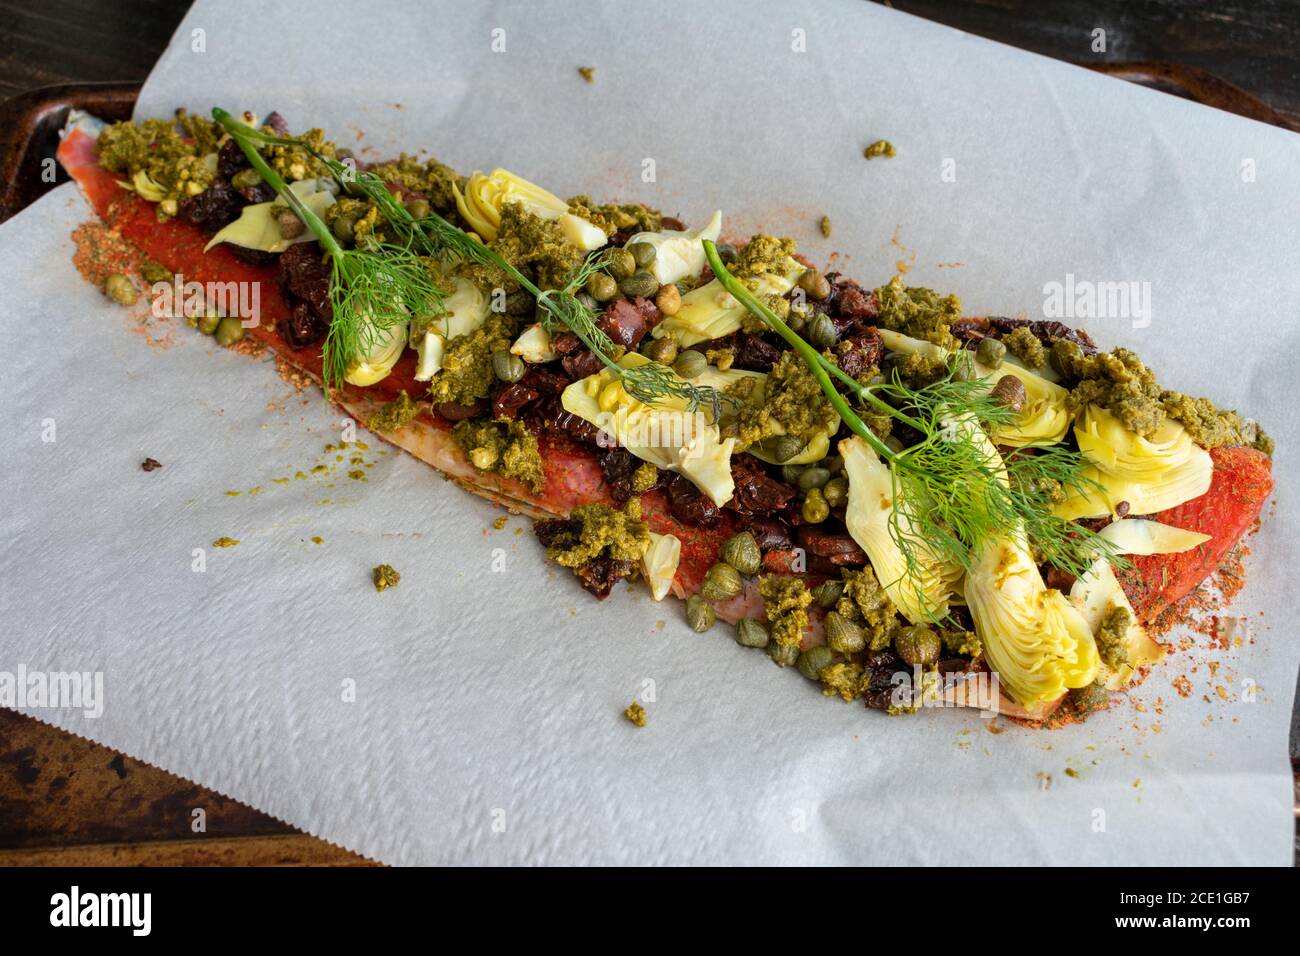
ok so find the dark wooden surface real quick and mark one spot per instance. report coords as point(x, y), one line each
point(66, 800)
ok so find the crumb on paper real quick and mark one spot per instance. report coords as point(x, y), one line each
point(825, 226)
point(635, 713)
point(151, 464)
point(588, 73)
point(225, 542)
point(317, 539)
point(881, 147)
point(1044, 781)
point(1072, 773)
point(386, 576)
point(500, 522)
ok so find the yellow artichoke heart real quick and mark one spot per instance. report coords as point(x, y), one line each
point(485, 196)
point(710, 312)
point(1151, 474)
point(871, 501)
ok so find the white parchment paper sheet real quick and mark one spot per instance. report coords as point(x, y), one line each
point(486, 723)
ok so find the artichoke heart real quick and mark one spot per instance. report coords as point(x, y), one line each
point(380, 357)
point(920, 597)
point(1036, 641)
point(1151, 474)
point(659, 563)
point(668, 434)
point(463, 312)
point(679, 253)
point(710, 312)
point(485, 196)
point(1098, 593)
point(257, 228)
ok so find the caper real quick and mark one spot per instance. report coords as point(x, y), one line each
point(121, 289)
point(786, 447)
point(663, 351)
point(832, 463)
point(813, 477)
point(836, 492)
point(643, 253)
point(721, 582)
point(418, 208)
point(290, 226)
point(814, 284)
point(990, 352)
point(815, 510)
point(727, 252)
point(229, 330)
point(827, 594)
point(811, 661)
point(519, 302)
point(621, 264)
point(917, 645)
point(1009, 392)
point(741, 551)
point(751, 633)
point(508, 367)
point(822, 332)
point(783, 655)
point(790, 473)
point(208, 322)
point(601, 287)
point(668, 299)
point(690, 364)
point(642, 284)
point(798, 321)
point(587, 301)
point(344, 227)
point(843, 635)
point(246, 179)
point(699, 614)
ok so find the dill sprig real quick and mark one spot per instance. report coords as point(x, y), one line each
point(373, 288)
point(953, 493)
point(435, 237)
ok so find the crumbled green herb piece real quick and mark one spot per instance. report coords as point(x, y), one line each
point(504, 446)
point(385, 577)
point(635, 713)
point(786, 601)
point(880, 147)
point(393, 415)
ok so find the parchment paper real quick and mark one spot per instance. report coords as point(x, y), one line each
point(486, 723)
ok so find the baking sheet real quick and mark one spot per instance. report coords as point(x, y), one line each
point(472, 714)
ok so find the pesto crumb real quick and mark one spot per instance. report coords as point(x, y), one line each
point(588, 73)
point(317, 539)
point(385, 577)
point(500, 522)
point(635, 713)
point(393, 415)
point(224, 542)
point(881, 147)
point(825, 226)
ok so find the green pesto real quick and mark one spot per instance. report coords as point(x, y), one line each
point(644, 478)
point(393, 415)
point(920, 313)
point(865, 602)
point(1024, 345)
point(762, 255)
point(152, 271)
point(881, 147)
point(532, 245)
point(366, 220)
point(432, 179)
point(1112, 636)
point(505, 447)
point(847, 679)
point(1121, 383)
point(602, 531)
point(297, 162)
point(786, 601)
point(616, 217)
point(467, 374)
point(386, 576)
point(788, 402)
point(964, 643)
point(170, 152)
